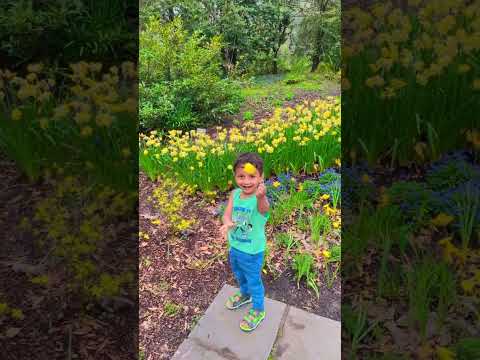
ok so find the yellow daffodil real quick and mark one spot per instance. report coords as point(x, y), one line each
point(366, 178)
point(326, 254)
point(276, 184)
point(16, 114)
point(468, 285)
point(442, 219)
point(325, 196)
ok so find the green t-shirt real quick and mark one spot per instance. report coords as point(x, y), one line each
point(249, 233)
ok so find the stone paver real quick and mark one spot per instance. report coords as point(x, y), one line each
point(217, 335)
point(308, 336)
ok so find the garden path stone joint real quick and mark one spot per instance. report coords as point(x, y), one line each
point(292, 333)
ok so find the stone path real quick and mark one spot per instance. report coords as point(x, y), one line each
point(295, 333)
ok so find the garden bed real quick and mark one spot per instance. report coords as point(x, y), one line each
point(180, 276)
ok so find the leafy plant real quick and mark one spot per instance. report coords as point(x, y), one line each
point(288, 241)
point(289, 204)
point(467, 349)
point(171, 309)
point(180, 77)
point(320, 225)
point(424, 289)
point(356, 325)
point(247, 116)
point(464, 204)
point(333, 262)
point(414, 199)
point(450, 172)
point(303, 265)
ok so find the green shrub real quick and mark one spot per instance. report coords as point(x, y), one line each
point(180, 78)
point(248, 115)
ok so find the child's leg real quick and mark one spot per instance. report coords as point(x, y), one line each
point(238, 273)
point(252, 268)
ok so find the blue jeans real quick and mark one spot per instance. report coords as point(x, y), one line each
point(247, 269)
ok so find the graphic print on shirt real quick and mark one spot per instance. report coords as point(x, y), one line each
point(242, 219)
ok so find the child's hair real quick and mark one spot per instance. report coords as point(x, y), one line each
point(252, 158)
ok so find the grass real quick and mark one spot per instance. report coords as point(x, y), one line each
point(266, 90)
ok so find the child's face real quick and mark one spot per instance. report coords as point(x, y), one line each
point(247, 182)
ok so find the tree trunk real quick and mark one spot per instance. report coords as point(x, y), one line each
point(315, 62)
point(275, 66)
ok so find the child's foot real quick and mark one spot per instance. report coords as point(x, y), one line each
point(252, 320)
point(237, 300)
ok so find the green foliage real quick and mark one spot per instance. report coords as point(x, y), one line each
point(414, 198)
point(247, 116)
point(450, 175)
point(287, 205)
point(319, 34)
point(180, 78)
point(429, 282)
point(356, 325)
point(468, 348)
point(320, 225)
point(286, 240)
point(332, 264)
point(69, 29)
point(171, 309)
point(303, 264)
point(252, 31)
point(466, 204)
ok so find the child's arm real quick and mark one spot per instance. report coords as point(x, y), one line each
point(227, 217)
point(262, 202)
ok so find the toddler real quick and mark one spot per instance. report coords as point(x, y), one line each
point(244, 225)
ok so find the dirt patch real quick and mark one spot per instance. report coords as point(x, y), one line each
point(284, 289)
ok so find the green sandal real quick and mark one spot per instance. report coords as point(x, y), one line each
point(237, 300)
point(252, 320)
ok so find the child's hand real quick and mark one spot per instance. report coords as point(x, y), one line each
point(261, 190)
point(225, 227)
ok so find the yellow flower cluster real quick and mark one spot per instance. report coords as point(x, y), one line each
point(445, 33)
point(469, 285)
point(305, 123)
point(168, 198)
point(473, 136)
point(93, 98)
point(15, 313)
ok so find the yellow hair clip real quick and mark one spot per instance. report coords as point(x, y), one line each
point(250, 169)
